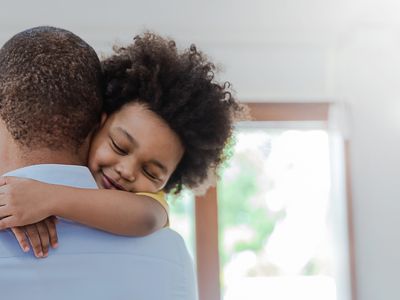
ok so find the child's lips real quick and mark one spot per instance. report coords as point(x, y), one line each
point(110, 184)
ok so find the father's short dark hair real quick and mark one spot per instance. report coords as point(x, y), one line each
point(50, 88)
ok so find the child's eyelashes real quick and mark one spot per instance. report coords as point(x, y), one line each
point(118, 149)
point(151, 176)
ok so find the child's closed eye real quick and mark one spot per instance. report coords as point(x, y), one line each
point(150, 175)
point(118, 148)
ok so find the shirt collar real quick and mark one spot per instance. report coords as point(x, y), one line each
point(70, 175)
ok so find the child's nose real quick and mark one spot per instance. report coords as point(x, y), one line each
point(126, 172)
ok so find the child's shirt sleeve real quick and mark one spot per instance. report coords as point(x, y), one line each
point(160, 198)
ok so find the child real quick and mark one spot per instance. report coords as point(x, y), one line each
point(165, 124)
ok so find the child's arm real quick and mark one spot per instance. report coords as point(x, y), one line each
point(26, 201)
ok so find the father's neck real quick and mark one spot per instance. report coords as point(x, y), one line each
point(12, 156)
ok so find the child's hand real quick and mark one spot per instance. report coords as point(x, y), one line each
point(23, 201)
point(40, 235)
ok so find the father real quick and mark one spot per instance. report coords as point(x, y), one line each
point(50, 101)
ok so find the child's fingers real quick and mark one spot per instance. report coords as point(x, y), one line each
point(34, 239)
point(7, 222)
point(21, 238)
point(51, 228)
point(4, 180)
point(4, 209)
point(44, 237)
point(54, 219)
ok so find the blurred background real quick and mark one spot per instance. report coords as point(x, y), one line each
point(287, 228)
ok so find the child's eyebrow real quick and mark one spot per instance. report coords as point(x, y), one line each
point(159, 165)
point(128, 136)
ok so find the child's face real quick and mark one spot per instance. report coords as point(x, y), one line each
point(134, 150)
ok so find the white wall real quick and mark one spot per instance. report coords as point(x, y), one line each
point(298, 50)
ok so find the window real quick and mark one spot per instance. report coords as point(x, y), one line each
point(268, 229)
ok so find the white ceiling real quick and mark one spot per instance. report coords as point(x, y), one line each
point(214, 22)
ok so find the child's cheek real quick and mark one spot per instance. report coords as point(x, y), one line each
point(95, 159)
point(104, 156)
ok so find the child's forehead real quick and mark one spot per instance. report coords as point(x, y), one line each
point(137, 112)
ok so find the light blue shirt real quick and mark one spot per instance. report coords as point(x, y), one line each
point(92, 264)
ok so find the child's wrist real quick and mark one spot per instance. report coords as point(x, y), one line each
point(51, 207)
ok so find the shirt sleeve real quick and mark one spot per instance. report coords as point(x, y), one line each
point(160, 198)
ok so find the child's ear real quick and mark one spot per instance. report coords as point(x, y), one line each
point(103, 119)
point(99, 125)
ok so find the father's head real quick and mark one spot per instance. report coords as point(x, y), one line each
point(50, 90)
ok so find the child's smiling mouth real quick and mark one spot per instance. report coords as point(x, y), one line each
point(110, 184)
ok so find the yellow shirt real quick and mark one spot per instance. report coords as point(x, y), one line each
point(160, 198)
